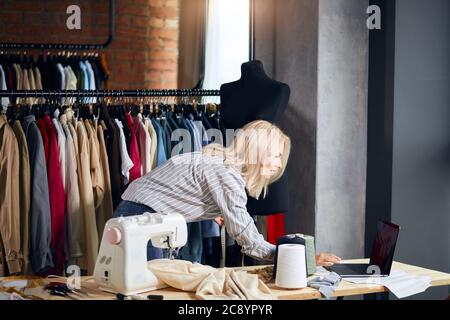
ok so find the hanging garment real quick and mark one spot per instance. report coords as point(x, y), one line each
point(62, 84)
point(57, 196)
point(3, 86)
point(154, 142)
point(9, 197)
point(43, 131)
point(40, 219)
point(85, 77)
point(10, 75)
point(87, 200)
point(62, 146)
point(71, 83)
point(161, 156)
point(24, 196)
point(113, 150)
point(167, 137)
point(31, 79)
point(105, 211)
point(38, 78)
point(135, 171)
point(98, 74)
point(73, 206)
point(18, 73)
point(144, 142)
point(98, 183)
point(91, 80)
point(275, 227)
point(126, 163)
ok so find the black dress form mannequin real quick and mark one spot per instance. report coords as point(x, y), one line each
point(257, 97)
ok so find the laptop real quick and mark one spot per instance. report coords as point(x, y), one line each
point(381, 257)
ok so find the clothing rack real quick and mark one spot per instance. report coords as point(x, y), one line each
point(110, 93)
point(62, 46)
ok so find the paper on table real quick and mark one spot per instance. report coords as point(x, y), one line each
point(14, 284)
point(400, 283)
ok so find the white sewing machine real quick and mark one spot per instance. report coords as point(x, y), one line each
point(121, 265)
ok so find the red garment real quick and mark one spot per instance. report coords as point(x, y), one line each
point(275, 227)
point(133, 147)
point(57, 196)
point(43, 130)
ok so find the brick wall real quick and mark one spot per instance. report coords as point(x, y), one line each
point(143, 54)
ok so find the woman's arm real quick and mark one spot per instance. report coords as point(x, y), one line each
point(241, 227)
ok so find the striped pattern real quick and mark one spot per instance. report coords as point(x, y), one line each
point(201, 188)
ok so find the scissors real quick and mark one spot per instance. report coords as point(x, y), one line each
point(61, 290)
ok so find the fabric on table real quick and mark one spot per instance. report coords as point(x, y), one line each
point(209, 283)
point(326, 284)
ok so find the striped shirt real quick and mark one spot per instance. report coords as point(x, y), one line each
point(201, 188)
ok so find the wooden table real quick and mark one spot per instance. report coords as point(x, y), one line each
point(345, 288)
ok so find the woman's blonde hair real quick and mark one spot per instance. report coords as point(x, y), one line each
point(247, 151)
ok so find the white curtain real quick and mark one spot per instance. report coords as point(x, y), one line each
point(227, 41)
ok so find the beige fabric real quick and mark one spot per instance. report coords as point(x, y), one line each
point(26, 85)
point(98, 183)
point(87, 201)
point(154, 141)
point(32, 82)
point(31, 79)
point(37, 78)
point(38, 81)
point(73, 206)
point(24, 195)
point(9, 196)
point(18, 72)
point(105, 211)
point(209, 283)
point(144, 143)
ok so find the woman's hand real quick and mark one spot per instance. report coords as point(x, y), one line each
point(219, 220)
point(327, 259)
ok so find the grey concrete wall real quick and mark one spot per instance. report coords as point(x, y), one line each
point(265, 34)
point(342, 127)
point(421, 161)
point(288, 36)
point(295, 63)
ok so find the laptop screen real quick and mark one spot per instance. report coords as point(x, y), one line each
point(384, 246)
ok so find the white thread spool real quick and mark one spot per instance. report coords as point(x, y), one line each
point(291, 267)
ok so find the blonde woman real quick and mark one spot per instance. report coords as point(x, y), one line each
point(212, 183)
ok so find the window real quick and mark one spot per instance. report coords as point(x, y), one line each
point(227, 41)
